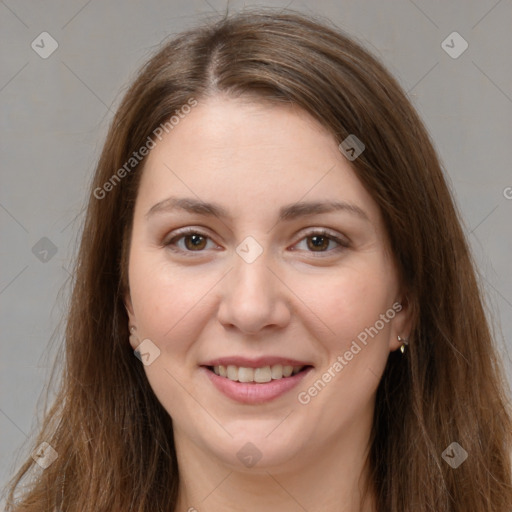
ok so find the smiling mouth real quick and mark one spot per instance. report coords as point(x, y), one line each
point(257, 375)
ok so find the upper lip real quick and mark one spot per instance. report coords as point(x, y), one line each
point(259, 362)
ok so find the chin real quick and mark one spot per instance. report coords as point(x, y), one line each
point(257, 448)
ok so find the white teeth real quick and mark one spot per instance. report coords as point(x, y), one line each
point(245, 375)
point(259, 375)
point(277, 371)
point(262, 374)
point(287, 371)
point(232, 372)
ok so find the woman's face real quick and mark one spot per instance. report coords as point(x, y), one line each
point(240, 265)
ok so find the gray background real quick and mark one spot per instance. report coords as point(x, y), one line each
point(55, 113)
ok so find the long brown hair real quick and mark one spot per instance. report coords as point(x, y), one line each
point(114, 439)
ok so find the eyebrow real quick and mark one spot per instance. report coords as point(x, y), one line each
point(286, 213)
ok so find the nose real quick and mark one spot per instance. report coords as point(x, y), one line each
point(253, 298)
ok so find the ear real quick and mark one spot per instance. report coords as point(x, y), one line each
point(131, 318)
point(402, 323)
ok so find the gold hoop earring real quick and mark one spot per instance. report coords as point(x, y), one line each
point(404, 344)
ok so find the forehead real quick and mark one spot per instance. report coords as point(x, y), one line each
point(246, 154)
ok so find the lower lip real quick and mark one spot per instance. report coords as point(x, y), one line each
point(252, 392)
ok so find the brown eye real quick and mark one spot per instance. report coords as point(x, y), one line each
point(195, 242)
point(322, 243)
point(318, 243)
point(189, 241)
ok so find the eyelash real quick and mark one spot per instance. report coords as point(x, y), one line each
point(342, 244)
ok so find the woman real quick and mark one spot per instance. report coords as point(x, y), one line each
point(270, 233)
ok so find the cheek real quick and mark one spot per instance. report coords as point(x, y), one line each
point(170, 307)
point(169, 302)
point(351, 305)
point(350, 299)
point(163, 298)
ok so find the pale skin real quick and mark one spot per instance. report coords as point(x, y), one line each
point(294, 300)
